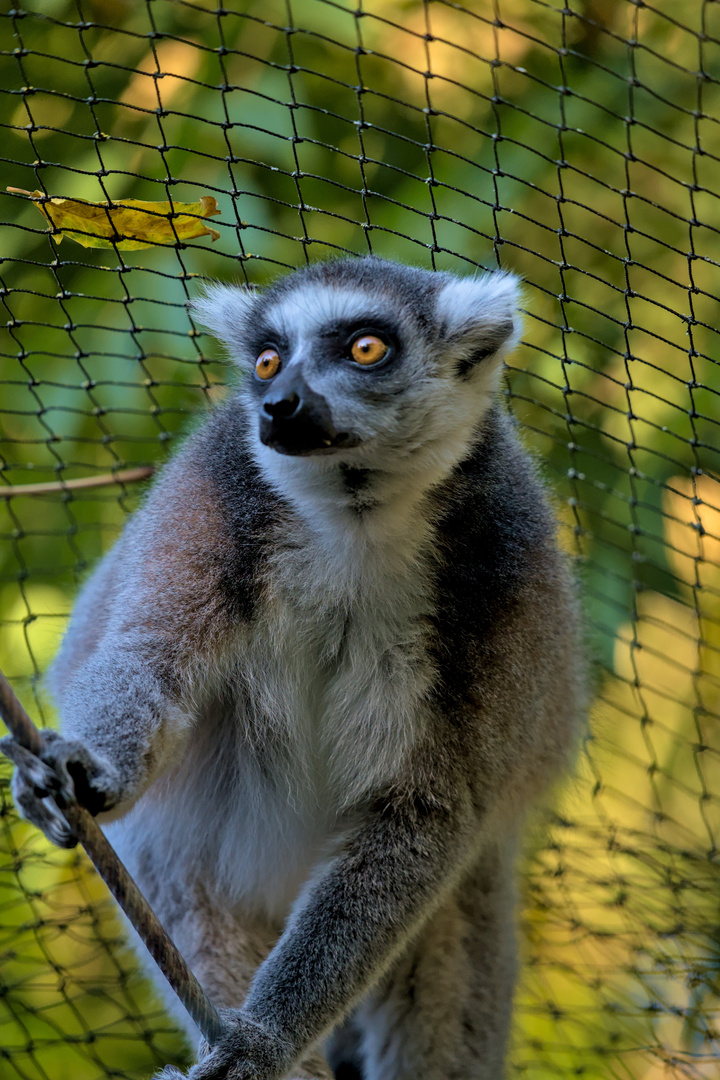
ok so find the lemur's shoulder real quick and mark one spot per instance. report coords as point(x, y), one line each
point(500, 568)
point(219, 455)
point(493, 511)
point(201, 535)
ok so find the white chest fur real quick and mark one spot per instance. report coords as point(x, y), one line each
point(338, 658)
point(323, 695)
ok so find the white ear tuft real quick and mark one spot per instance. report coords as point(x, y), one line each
point(226, 310)
point(480, 312)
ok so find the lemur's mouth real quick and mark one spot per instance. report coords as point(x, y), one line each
point(296, 420)
point(302, 438)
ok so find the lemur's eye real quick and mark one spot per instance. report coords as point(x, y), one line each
point(368, 349)
point(267, 364)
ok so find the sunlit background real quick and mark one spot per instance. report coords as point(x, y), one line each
point(578, 146)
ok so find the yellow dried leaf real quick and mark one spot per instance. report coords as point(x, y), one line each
point(127, 225)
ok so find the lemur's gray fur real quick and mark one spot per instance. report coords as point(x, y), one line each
point(317, 683)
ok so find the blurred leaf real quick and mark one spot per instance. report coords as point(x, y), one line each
point(129, 225)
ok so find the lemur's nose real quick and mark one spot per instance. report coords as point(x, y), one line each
point(282, 406)
point(294, 419)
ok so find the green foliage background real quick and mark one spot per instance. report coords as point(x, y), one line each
point(577, 145)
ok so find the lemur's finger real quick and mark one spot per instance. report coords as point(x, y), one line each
point(45, 814)
point(37, 773)
point(57, 752)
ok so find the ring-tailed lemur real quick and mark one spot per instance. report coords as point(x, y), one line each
point(322, 675)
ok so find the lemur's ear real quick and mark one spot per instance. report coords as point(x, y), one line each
point(479, 315)
point(226, 310)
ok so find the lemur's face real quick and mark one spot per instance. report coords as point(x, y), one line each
point(365, 361)
point(327, 365)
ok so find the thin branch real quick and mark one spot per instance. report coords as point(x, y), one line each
point(125, 476)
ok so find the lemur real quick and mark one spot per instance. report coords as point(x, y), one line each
point(331, 662)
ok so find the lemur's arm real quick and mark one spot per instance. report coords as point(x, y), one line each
point(127, 674)
point(349, 924)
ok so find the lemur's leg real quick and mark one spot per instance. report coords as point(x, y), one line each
point(411, 1023)
point(443, 1012)
point(489, 901)
point(223, 950)
point(344, 1050)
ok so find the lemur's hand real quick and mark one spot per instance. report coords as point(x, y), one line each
point(245, 1051)
point(64, 772)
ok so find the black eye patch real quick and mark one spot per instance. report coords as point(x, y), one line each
point(344, 331)
point(264, 335)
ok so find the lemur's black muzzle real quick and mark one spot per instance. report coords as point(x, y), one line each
point(294, 419)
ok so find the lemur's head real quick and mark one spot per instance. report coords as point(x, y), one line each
point(366, 362)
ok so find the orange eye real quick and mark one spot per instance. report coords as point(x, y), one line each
point(368, 349)
point(267, 364)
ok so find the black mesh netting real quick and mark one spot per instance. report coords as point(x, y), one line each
point(578, 145)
